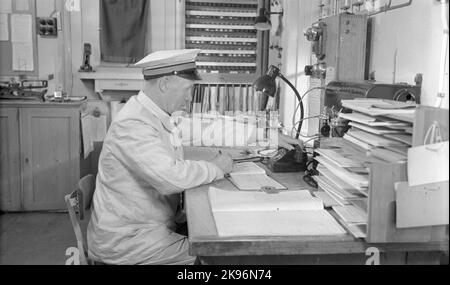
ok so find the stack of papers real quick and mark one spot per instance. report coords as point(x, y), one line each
point(288, 213)
point(384, 138)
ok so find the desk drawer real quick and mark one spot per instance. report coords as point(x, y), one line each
point(112, 84)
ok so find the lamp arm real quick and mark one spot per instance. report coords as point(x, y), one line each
point(299, 98)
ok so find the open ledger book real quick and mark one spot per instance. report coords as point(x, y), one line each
point(288, 213)
point(249, 176)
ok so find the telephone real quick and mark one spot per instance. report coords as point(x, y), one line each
point(288, 160)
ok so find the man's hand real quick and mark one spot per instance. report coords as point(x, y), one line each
point(288, 142)
point(224, 162)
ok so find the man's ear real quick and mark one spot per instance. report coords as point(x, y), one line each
point(163, 84)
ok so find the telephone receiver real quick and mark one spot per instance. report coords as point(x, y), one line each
point(288, 160)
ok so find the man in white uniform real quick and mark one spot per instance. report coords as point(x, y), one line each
point(142, 171)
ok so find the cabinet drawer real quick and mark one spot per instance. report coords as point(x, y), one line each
point(111, 84)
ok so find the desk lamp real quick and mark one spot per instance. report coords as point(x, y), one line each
point(267, 85)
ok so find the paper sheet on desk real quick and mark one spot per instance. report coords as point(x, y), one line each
point(288, 213)
point(280, 223)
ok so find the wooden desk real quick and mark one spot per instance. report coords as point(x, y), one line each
point(205, 243)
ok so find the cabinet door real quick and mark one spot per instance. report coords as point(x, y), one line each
point(50, 156)
point(10, 196)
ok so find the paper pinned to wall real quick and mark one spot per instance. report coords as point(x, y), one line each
point(22, 5)
point(99, 128)
point(21, 28)
point(4, 27)
point(5, 6)
point(22, 57)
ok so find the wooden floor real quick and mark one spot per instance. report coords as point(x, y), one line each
point(35, 238)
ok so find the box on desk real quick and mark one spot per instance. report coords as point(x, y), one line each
point(348, 167)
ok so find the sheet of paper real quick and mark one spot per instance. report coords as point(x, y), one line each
point(246, 168)
point(228, 201)
point(21, 28)
point(342, 194)
point(5, 6)
point(255, 182)
point(372, 139)
point(428, 164)
point(351, 214)
point(356, 180)
point(98, 128)
point(337, 179)
point(421, 206)
point(338, 158)
point(375, 130)
point(22, 57)
point(328, 200)
point(86, 129)
point(4, 27)
point(282, 223)
point(371, 121)
point(371, 107)
point(22, 5)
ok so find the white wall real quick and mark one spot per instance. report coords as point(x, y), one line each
point(298, 15)
point(166, 22)
point(414, 34)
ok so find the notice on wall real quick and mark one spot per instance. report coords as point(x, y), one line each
point(5, 6)
point(22, 5)
point(22, 56)
point(22, 42)
point(21, 28)
point(4, 27)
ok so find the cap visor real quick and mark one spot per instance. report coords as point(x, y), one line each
point(194, 76)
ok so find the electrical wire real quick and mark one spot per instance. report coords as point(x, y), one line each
point(294, 124)
point(294, 128)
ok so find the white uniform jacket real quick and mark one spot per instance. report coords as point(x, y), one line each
point(139, 179)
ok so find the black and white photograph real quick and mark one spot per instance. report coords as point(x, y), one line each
point(223, 138)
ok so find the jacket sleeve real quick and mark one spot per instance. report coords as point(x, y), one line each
point(140, 147)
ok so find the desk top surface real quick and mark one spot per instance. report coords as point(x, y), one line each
point(204, 240)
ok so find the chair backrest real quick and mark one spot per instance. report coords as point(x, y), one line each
point(77, 202)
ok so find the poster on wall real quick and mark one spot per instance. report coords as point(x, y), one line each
point(22, 5)
point(22, 42)
point(5, 6)
point(4, 27)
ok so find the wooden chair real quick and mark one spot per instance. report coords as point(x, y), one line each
point(77, 203)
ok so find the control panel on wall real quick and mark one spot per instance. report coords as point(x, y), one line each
point(339, 45)
point(47, 27)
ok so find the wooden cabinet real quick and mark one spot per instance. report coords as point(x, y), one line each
point(9, 160)
point(40, 156)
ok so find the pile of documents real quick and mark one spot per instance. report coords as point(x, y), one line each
point(288, 213)
point(343, 185)
point(383, 128)
point(381, 131)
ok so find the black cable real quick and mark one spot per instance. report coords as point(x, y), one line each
point(302, 109)
point(301, 106)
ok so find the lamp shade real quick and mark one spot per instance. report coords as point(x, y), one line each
point(266, 84)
